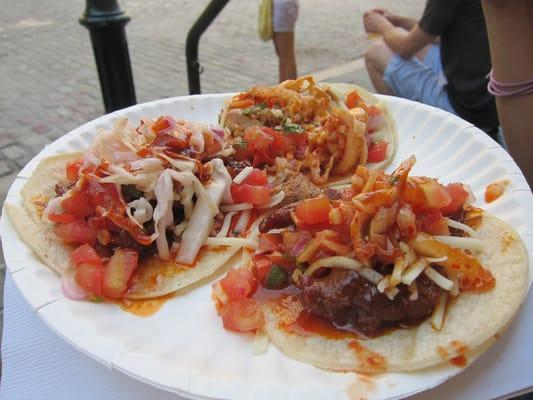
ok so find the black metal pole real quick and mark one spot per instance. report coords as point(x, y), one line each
point(193, 37)
point(105, 21)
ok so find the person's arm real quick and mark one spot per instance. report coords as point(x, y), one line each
point(403, 22)
point(511, 39)
point(397, 20)
point(405, 43)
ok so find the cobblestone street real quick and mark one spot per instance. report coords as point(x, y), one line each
point(48, 75)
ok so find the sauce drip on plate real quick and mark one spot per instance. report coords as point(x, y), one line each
point(145, 307)
point(494, 190)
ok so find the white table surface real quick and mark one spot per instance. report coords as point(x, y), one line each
point(39, 365)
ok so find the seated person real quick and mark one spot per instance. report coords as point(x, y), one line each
point(451, 75)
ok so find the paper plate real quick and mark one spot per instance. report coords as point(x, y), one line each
point(183, 347)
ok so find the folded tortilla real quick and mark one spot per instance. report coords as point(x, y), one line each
point(152, 278)
point(333, 95)
point(473, 320)
point(389, 133)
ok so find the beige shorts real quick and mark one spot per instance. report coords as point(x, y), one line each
point(284, 15)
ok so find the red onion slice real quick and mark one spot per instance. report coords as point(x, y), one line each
point(71, 289)
point(219, 132)
point(376, 123)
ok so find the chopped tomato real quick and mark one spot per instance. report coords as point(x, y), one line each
point(77, 232)
point(262, 267)
point(256, 178)
point(434, 223)
point(281, 144)
point(313, 211)
point(242, 315)
point(270, 241)
point(78, 204)
point(245, 193)
point(258, 140)
point(352, 99)
point(118, 271)
point(73, 169)
point(377, 152)
point(436, 194)
point(458, 197)
point(163, 124)
point(495, 190)
point(85, 254)
point(239, 284)
point(262, 145)
point(260, 158)
point(101, 194)
point(61, 218)
point(89, 277)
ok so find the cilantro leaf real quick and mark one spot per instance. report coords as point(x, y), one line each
point(253, 109)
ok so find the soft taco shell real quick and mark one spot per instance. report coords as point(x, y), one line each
point(39, 236)
point(28, 222)
point(471, 320)
point(355, 151)
point(340, 90)
point(174, 276)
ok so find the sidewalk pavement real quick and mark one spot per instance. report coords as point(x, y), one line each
point(49, 81)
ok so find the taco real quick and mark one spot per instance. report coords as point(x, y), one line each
point(400, 273)
point(381, 134)
point(307, 127)
point(139, 214)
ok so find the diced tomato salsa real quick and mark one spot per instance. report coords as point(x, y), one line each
point(255, 189)
point(313, 211)
point(92, 210)
point(377, 152)
point(233, 294)
point(262, 145)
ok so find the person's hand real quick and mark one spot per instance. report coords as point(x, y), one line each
point(375, 22)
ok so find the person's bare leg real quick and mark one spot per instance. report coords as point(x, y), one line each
point(377, 57)
point(284, 45)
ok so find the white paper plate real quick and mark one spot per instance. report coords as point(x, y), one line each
point(183, 348)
